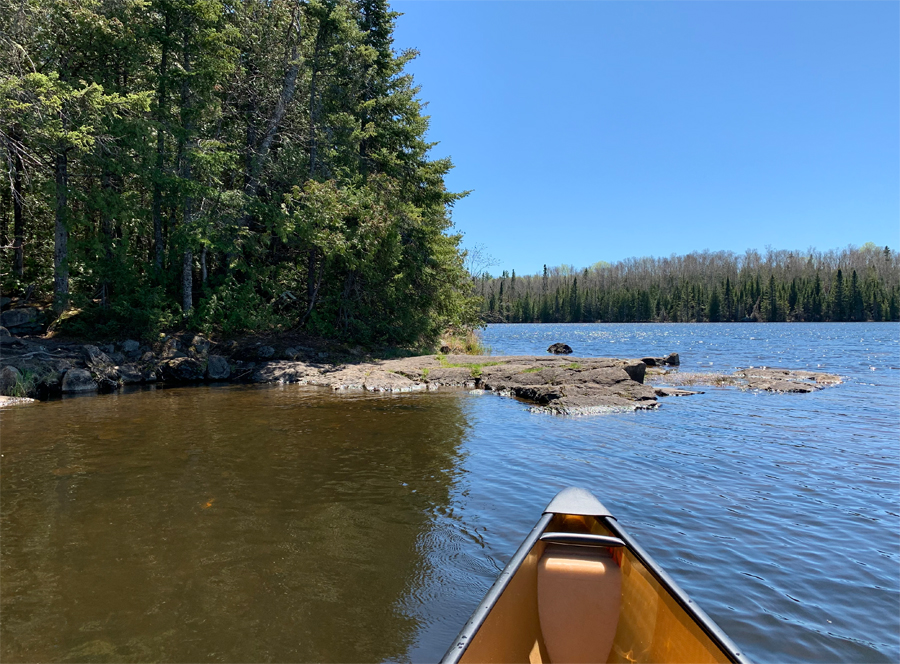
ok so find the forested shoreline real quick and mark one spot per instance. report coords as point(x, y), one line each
point(228, 167)
point(853, 284)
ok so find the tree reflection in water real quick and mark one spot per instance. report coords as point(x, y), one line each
point(220, 523)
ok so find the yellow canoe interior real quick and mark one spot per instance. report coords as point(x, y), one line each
point(649, 625)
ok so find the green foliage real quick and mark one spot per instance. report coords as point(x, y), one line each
point(230, 167)
point(234, 308)
point(475, 367)
point(26, 382)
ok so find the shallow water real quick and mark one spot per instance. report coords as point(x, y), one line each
point(283, 523)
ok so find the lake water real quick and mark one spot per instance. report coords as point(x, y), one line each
point(283, 523)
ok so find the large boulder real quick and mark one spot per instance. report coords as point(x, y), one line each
point(636, 371)
point(22, 320)
point(560, 349)
point(131, 348)
point(130, 374)
point(9, 378)
point(172, 349)
point(217, 368)
point(78, 380)
point(181, 370)
point(199, 347)
point(101, 366)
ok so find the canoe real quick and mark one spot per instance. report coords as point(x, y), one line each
point(579, 589)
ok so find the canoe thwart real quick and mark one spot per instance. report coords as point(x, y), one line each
point(581, 539)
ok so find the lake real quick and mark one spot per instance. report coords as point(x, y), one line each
point(285, 523)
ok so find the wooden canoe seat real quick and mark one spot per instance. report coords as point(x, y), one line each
point(579, 592)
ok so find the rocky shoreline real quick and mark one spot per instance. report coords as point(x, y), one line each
point(42, 368)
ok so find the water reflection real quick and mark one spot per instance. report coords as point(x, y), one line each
point(220, 524)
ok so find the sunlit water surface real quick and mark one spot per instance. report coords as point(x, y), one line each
point(282, 523)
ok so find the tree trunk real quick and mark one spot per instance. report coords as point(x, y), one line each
point(106, 228)
point(314, 104)
point(187, 280)
point(61, 236)
point(184, 168)
point(258, 155)
point(18, 209)
point(159, 247)
point(5, 242)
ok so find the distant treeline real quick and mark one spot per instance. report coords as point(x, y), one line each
point(853, 284)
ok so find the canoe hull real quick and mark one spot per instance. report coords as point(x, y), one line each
point(656, 622)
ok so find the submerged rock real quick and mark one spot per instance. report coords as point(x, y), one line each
point(785, 380)
point(675, 392)
point(14, 401)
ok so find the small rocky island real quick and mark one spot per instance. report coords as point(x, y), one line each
point(37, 367)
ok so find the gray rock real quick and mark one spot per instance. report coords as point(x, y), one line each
point(131, 374)
point(93, 355)
point(636, 371)
point(4, 302)
point(6, 339)
point(131, 348)
point(265, 352)
point(217, 368)
point(171, 349)
point(672, 359)
point(675, 392)
point(9, 378)
point(117, 358)
point(181, 370)
point(148, 356)
point(286, 372)
point(785, 380)
point(291, 353)
point(14, 401)
point(101, 367)
point(560, 349)
point(109, 349)
point(78, 380)
point(200, 347)
point(18, 317)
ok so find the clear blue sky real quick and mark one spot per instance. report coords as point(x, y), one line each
point(602, 130)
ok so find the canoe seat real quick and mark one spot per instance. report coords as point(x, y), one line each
point(579, 592)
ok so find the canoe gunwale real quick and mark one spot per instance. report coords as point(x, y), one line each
point(712, 630)
point(470, 629)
